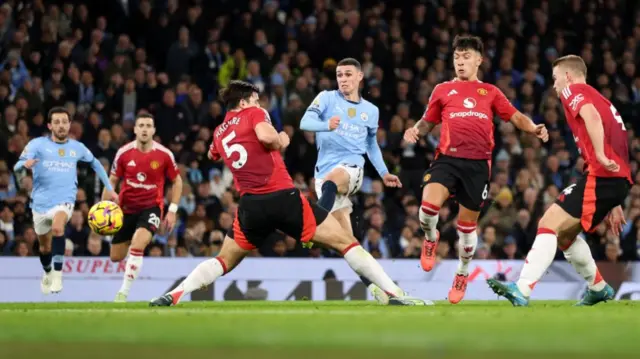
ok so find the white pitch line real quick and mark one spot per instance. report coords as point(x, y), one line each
point(220, 311)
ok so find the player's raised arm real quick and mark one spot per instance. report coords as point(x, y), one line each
point(431, 118)
point(312, 119)
point(266, 133)
point(507, 112)
point(28, 156)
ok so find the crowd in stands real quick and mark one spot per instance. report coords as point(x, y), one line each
point(105, 62)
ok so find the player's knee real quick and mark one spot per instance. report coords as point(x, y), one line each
point(141, 238)
point(341, 180)
point(116, 257)
point(57, 231)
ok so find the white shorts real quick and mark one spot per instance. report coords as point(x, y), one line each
point(355, 182)
point(42, 221)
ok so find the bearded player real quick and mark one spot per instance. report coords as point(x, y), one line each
point(346, 127)
point(143, 165)
point(601, 137)
point(465, 107)
point(53, 160)
point(250, 146)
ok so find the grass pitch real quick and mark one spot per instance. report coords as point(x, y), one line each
point(309, 330)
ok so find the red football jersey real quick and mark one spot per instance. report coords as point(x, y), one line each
point(466, 110)
point(255, 168)
point(143, 174)
point(616, 148)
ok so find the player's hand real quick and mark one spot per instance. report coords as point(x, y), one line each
point(391, 180)
point(113, 196)
point(284, 140)
point(608, 164)
point(169, 222)
point(412, 135)
point(616, 220)
point(334, 122)
point(28, 164)
point(542, 133)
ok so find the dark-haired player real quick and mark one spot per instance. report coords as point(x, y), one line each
point(143, 165)
point(465, 107)
point(601, 137)
point(250, 146)
point(346, 127)
point(53, 160)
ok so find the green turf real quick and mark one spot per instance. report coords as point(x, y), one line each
point(309, 330)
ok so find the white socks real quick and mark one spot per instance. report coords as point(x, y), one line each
point(132, 269)
point(365, 265)
point(538, 260)
point(203, 275)
point(579, 255)
point(467, 244)
point(429, 214)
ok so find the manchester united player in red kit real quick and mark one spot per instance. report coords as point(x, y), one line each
point(465, 107)
point(601, 137)
point(142, 165)
point(250, 146)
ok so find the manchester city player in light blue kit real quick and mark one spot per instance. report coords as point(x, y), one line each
point(53, 161)
point(345, 126)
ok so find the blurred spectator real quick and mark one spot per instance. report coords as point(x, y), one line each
point(106, 64)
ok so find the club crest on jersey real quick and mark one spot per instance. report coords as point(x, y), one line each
point(141, 177)
point(482, 91)
point(351, 112)
point(72, 153)
point(154, 165)
point(364, 116)
point(427, 177)
point(61, 152)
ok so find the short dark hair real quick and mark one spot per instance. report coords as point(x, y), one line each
point(57, 110)
point(468, 42)
point(572, 62)
point(144, 115)
point(350, 61)
point(236, 91)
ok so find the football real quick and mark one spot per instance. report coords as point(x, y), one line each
point(105, 218)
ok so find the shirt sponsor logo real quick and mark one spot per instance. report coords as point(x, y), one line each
point(469, 102)
point(469, 114)
point(141, 185)
point(59, 166)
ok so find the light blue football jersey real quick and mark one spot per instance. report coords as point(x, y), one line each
point(355, 136)
point(55, 178)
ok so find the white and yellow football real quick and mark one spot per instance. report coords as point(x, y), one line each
point(105, 218)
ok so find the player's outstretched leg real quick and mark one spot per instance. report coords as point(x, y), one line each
point(578, 253)
point(330, 234)
point(468, 241)
point(44, 242)
point(343, 216)
point(204, 274)
point(141, 238)
point(540, 257)
point(433, 196)
point(57, 250)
